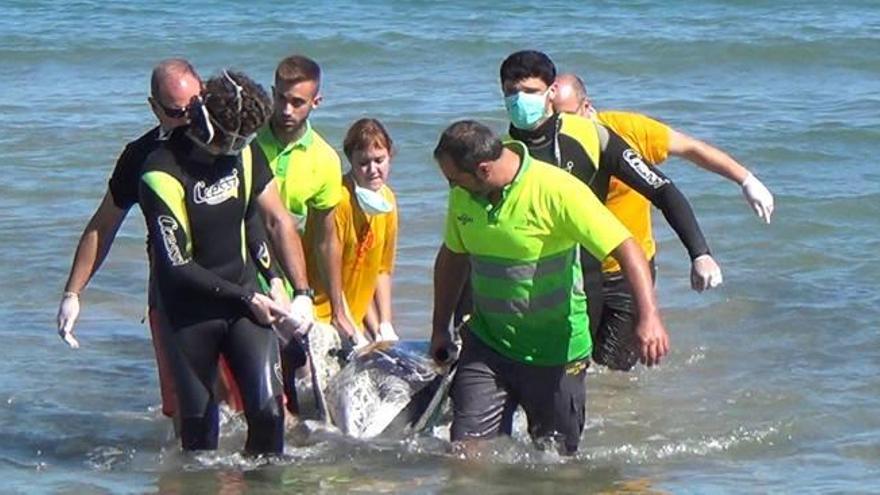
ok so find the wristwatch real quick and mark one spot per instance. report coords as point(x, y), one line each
point(305, 292)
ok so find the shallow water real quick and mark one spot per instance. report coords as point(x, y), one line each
point(772, 384)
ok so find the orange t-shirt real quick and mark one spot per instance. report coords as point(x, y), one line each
point(651, 139)
point(368, 243)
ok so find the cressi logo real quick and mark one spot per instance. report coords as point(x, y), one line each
point(167, 228)
point(278, 374)
point(636, 163)
point(216, 193)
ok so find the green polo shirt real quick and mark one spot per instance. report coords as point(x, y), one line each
point(308, 171)
point(529, 304)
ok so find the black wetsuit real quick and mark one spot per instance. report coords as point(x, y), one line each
point(195, 206)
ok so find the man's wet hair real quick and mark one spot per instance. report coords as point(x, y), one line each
point(364, 134)
point(467, 144)
point(167, 68)
point(296, 69)
point(525, 64)
point(221, 99)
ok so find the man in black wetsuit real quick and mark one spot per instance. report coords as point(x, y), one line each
point(594, 154)
point(173, 84)
point(196, 192)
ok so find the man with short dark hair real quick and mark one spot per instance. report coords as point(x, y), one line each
point(309, 177)
point(596, 156)
point(517, 221)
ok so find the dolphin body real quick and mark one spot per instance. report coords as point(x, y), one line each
point(384, 389)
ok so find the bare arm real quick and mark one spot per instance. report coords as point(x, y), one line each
point(94, 243)
point(330, 264)
point(706, 156)
point(383, 297)
point(281, 228)
point(712, 159)
point(450, 272)
point(652, 335)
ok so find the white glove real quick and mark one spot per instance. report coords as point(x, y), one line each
point(292, 326)
point(302, 308)
point(68, 312)
point(359, 341)
point(705, 273)
point(759, 197)
point(386, 333)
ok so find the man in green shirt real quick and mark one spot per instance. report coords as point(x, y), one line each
point(308, 173)
point(517, 222)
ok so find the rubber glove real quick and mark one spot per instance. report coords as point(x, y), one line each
point(302, 308)
point(68, 312)
point(386, 333)
point(705, 273)
point(759, 197)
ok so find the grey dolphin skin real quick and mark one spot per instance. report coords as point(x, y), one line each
point(384, 390)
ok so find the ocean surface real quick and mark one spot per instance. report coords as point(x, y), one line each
point(773, 384)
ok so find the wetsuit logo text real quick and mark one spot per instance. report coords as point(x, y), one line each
point(167, 228)
point(223, 189)
point(636, 163)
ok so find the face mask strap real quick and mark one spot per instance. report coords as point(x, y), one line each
point(206, 120)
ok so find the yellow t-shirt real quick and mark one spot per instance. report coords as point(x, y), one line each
point(651, 139)
point(368, 243)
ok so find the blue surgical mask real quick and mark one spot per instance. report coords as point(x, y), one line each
point(526, 109)
point(372, 202)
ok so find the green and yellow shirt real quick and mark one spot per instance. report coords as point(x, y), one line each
point(528, 302)
point(307, 171)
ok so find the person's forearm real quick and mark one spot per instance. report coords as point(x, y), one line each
point(94, 244)
point(288, 247)
point(383, 297)
point(371, 319)
point(450, 272)
point(637, 272)
point(330, 253)
point(678, 213)
point(707, 157)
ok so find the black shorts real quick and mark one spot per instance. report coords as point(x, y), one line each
point(614, 339)
point(488, 387)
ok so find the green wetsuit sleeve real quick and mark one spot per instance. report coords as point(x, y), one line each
point(173, 261)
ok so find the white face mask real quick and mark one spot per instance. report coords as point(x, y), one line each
point(372, 202)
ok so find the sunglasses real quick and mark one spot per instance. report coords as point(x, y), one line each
point(171, 112)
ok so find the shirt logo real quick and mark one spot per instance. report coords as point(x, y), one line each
point(635, 162)
point(167, 228)
point(464, 219)
point(223, 189)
